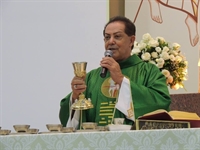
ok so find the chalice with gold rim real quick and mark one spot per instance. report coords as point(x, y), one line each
point(82, 103)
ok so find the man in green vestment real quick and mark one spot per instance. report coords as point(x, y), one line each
point(130, 89)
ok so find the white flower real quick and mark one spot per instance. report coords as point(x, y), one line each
point(178, 58)
point(152, 62)
point(158, 49)
point(159, 65)
point(184, 72)
point(162, 40)
point(160, 61)
point(154, 54)
point(146, 37)
point(166, 56)
point(174, 53)
point(169, 79)
point(136, 50)
point(176, 46)
point(180, 86)
point(171, 57)
point(186, 63)
point(146, 56)
point(153, 43)
point(175, 87)
point(142, 45)
point(166, 73)
point(165, 49)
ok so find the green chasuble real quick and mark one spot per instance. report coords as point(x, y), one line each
point(148, 87)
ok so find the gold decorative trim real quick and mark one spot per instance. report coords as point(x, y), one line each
point(106, 107)
point(104, 103)
point(102, 122)
point(108, 110)
point(106, 114)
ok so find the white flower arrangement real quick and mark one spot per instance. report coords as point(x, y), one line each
point(166, 56)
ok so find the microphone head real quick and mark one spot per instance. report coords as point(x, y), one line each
point(108, 53)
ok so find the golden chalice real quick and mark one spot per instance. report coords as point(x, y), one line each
point(82, 103)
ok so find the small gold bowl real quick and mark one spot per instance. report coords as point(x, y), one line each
point(5, 132)
point(89, 125)
point(67, 129)
point(54, 127)
point(21, 128)
point(32, 131)
point(101, 128)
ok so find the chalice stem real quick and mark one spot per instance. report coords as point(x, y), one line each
point(81, 119)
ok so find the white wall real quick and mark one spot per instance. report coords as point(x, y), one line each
point(173, 29)
point(39, 41)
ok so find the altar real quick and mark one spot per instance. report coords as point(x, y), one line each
point(166, 139)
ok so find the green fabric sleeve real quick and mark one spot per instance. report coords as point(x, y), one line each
point(152, 94)
point(64, 110)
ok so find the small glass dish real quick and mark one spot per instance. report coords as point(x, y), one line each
point(32, 131)
point(54, 127)
point(5, 132)
point(101, 128)
point(89, 125)
point(67, 129)
point(21, 128)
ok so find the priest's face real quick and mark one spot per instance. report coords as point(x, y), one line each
point(118, 41)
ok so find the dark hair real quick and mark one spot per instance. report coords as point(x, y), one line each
point(130, 28)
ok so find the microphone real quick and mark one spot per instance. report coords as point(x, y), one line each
point(108, 53)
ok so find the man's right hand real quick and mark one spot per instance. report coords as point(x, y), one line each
point(78, 86)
